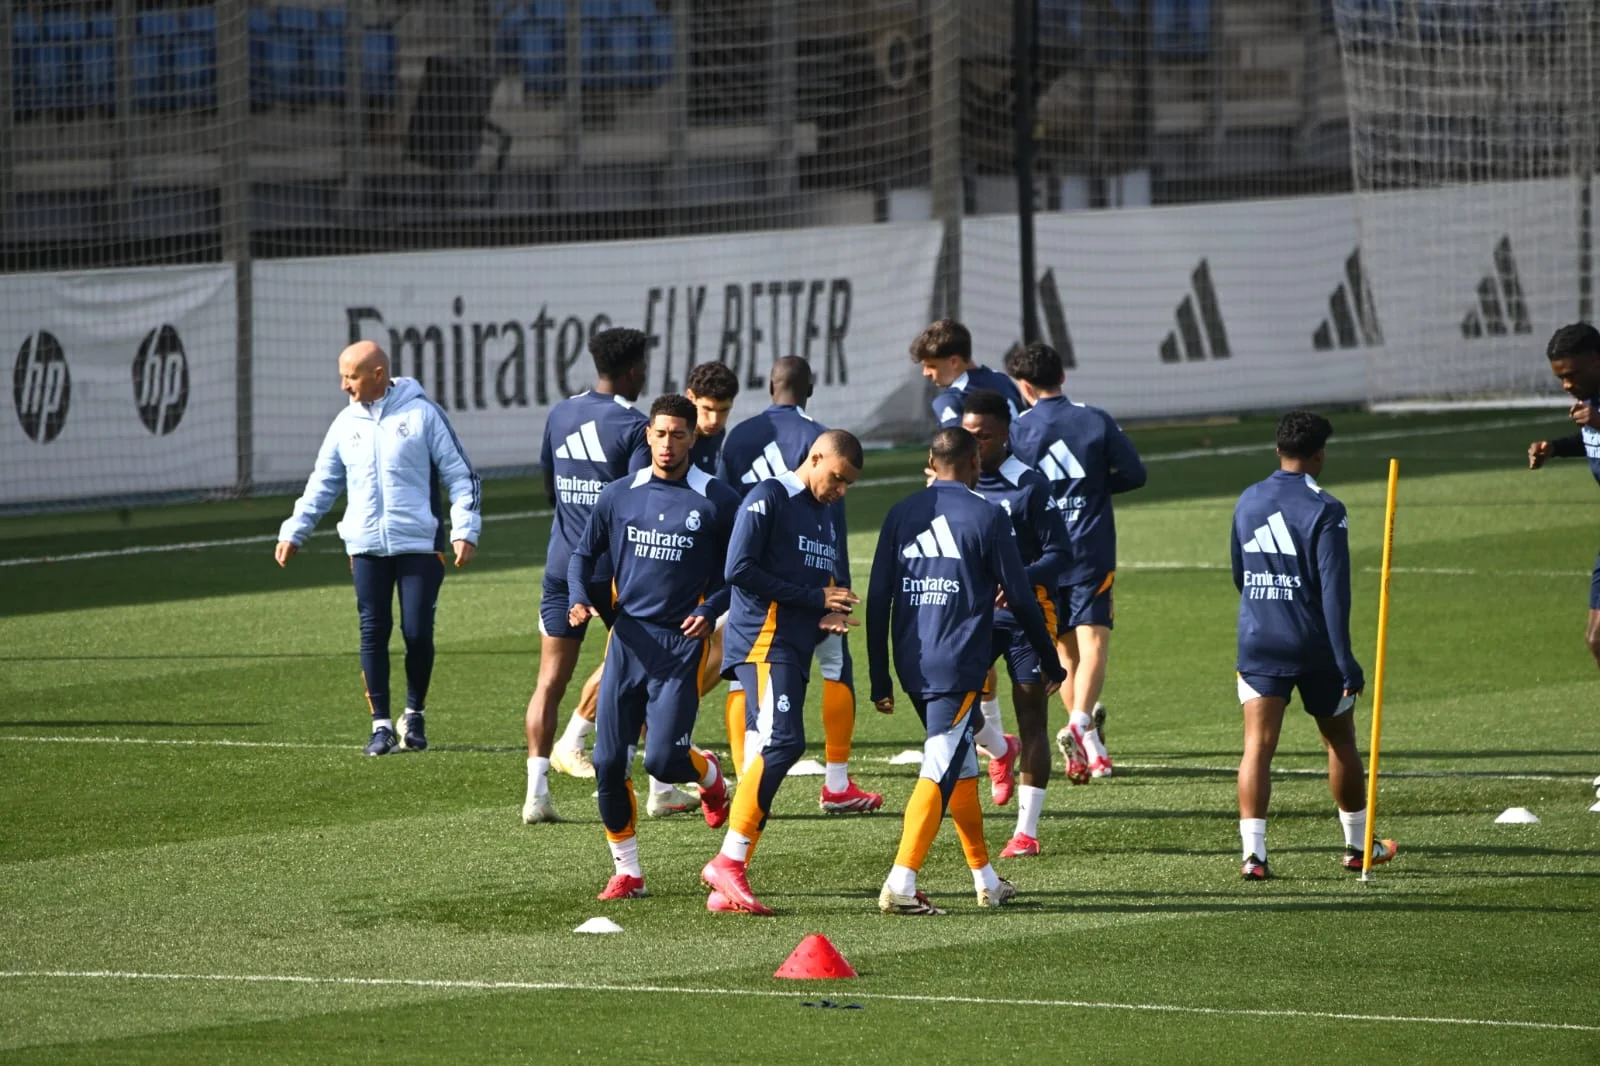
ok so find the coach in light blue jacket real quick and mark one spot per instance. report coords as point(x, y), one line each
point(387, 452)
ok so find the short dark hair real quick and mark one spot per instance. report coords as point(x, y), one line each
point(1037, 364)
point(845, 446)
point(712, 381)
point(673, 405)
point(952, 445)
point(1578, 339)
point(986, 402)
point(942, 338)
point(617, 351)
point(1302, 434)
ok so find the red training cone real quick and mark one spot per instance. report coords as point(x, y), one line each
point(815, 959)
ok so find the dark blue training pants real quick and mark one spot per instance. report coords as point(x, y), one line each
point(418, 576)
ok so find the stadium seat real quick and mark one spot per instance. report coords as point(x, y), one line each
point(24, 44)
point(636, 8)
point(327, 56)
point(260, 31)
point(57, 59)
point(380, 69)
point(100, 64)
point(155, 34)
point(1181, 29)
point(542, 56)
point(655, 50)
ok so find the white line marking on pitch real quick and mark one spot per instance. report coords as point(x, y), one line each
point(1191, 453)
point(756, 993)
point(486, 749)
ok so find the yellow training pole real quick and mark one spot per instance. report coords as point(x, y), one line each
point(1377, 673)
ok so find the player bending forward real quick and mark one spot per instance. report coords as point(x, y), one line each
point(664, 532)
point(782, 564)
point(942, 554)
point(1291, 564)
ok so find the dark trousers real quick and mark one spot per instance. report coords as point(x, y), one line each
point(418, 577)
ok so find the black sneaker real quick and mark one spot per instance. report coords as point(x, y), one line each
point(383, 741)
point(412, 738)
point(1255, 869)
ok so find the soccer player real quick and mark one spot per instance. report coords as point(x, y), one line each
point(386, 451)
point(1088, 459)
point(782, 564)
point(941, 556)
point(1024, 495)
point(1291, 565)
point(944, 351)
point(665, 533)
point(1574, 354)
point(712, 388)
point(590, 440)
point(773, 443)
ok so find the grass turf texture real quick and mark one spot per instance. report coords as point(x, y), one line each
point(156, 855)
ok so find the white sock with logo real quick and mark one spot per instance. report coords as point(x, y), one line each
point(625, 856)
point(992, 737)
point(735, 846)
point(1355, 828)
point(1030, 801)
point(1253, 836)
point(538, 776)
point(579, 729)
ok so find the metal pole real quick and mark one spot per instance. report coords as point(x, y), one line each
point(944, 119)
point(781, 103)
point(8, 159)
point(122, 147)
point(1310, 78)
point(233, 97)
point(355, 26)
point(1024, 19)
point(1584, 115)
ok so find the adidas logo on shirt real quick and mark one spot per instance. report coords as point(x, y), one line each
point(1272, 538)
point(1194, 340)
point(935, 542)
point(1059, 464)
point(1491, 315)
point(584, 444)
point(768, 464)
point(759, 507)
point(1352, 320)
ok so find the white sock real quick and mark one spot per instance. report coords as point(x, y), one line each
point(538, 776)
point(1084, 724)
point(625, 855)
point(1355, 828)
point(382, 723)
point(735, 846)
point(838, 777)
point(752, 748)
point(985, 878)
point(659, 788)
point(992, 737)
point(1253, 835)
point(578, 730)
point(1030, 801)
point(712, 774)
point(413, 710)
point(902, 881)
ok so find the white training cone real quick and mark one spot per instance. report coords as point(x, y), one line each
point(906, 758)
point(1517, 816)
point(599, 925)
point(1596, 807)
point(807, 768)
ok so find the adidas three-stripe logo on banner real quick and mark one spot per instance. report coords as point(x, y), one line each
point(934, 542)
point(1059, 464)
point(1501, 303)
point(767, 465)
point(1352, 320)
point(1198, 329)
point(584, 444)
point(1272, 538)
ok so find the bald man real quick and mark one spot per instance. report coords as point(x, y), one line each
point(387, 452)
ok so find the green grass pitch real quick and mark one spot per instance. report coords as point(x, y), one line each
point(198, 865)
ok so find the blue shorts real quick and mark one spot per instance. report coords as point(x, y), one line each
point(948, 754)
point(1594, 586)
point(1086, 603)
point(833, 655)
point(554, 604)
point(1022, 662)
point(1321, 694)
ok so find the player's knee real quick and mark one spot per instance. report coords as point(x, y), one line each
point(610, 763)
point(665, 763)
point(784, 750)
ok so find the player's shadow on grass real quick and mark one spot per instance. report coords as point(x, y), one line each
point(1080, 901)
point(96, 723)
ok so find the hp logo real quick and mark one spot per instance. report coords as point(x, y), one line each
point(161, 381)
point(41, 387)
